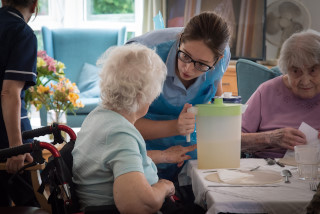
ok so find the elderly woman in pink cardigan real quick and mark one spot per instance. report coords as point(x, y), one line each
point(279, 106)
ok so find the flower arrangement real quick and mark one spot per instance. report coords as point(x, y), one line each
point(48, 69)
point(52, 89)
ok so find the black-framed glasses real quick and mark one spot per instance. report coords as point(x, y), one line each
point(184, 57)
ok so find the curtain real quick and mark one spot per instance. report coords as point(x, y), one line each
point(249, 29)
point(150, 9)
point(191, 9)
point(58, 8)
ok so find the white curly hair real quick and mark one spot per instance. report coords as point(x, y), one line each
point(301, 50)
point(132, 75)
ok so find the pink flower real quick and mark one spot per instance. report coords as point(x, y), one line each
point(42, 54)
point(52, 67)
point(51, 63)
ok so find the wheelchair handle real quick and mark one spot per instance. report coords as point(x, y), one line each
point(48, 130)
point(37, 132)
point(69, 131)
point(27, 148)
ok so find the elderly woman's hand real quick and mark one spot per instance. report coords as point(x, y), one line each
point(186, 121)
point(177, 154)
point(169, 186)
point(287, 138)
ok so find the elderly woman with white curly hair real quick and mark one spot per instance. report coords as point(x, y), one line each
point(278, 107)
point(111, 166)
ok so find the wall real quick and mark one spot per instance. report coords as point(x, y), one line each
point(313, 7)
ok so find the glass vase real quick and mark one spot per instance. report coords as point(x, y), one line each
point(59, 117)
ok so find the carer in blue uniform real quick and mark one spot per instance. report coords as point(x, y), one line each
point(196, 58)
point(18, 58)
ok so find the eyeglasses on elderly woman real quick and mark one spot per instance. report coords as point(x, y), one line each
point(184, 57)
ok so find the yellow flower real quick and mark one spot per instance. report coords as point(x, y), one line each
point(41, 62)
point(73, 98)
point(43, 89)
point(60, 96)
point(79, 105)
point(60, 65)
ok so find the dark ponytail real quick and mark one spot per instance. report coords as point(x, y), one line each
point(211, 29)
point(22, 3)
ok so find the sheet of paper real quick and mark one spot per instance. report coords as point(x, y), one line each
point(312, 139)
point(288, 158)
point(311, 134)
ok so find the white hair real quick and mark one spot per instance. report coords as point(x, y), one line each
point(132, 75)
point(301, 50)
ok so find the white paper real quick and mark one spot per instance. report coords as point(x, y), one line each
point(289, 158)
point(311, 134)
point(312, 139)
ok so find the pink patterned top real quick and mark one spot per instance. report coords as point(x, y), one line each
point(273, 106)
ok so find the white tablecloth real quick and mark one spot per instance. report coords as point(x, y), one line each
point(284, 198)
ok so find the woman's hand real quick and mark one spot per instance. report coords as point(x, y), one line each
point(177, 154)
point(169, 186)
point(186, 121)
point(287, 138)
point(15, 163)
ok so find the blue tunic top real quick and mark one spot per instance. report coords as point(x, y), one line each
point(174, 95)
point(18, 60)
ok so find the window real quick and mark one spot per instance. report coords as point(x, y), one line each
point(43, 14)
point(115, 13)
point(47, 15)
point(116, 10)
point(89, 14)
point(43, 8)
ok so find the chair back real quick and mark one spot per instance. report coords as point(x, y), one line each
point(250, 75)
point(74, 47)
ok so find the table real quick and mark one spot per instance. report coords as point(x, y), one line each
point(280, 198)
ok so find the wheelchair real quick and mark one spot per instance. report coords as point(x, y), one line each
point(56, 176)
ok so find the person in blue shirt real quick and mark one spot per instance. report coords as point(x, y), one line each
point(196, 58)
point(18, 59)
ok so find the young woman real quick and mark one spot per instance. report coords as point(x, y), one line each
point(18, 58)
point(196, 58)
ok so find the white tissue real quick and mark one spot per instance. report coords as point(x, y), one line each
point(227, 175)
